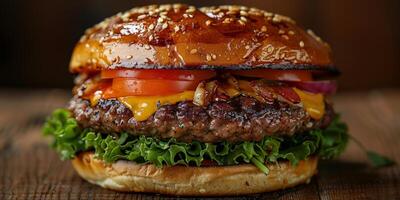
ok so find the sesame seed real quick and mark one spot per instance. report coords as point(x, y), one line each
point(285, 37)
point(208, 57)
point(129, 57)
point(280, 18)
point(125, 16)
point(151, 37)
point(267, 14)
point(301, 43)
point(247, 47)
point(227, 20)
point(208, 22)
point(151, 27)
point(244, 13)
point(140, 17)
point(253, 9)
point(164, 26)
point(291, 33)
point(193, 51)
point(255, 13)
point(160, 20)
point(243, 19)
point(216, 10)
point(263, 29)
point(176, 28)
point(280, 32)
point(276, 19)
point(191, 9)
point(214, 56)
point(233, 8)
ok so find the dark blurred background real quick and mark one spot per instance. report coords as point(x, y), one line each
point(37, 37)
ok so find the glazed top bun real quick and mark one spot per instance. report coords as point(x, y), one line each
point(184, 37)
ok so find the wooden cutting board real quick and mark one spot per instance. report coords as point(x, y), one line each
point(29, 169)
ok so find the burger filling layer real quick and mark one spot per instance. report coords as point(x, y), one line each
point(193, 117)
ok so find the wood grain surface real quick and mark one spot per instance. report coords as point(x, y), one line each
point(29, 169)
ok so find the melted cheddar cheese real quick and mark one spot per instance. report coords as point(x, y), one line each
point(313, 103)
point(143, 107)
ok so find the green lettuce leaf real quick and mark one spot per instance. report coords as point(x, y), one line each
point(70, 139)
point(378, 160)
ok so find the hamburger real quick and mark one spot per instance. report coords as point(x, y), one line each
point(176, 100)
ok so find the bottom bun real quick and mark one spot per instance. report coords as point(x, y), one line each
point(193, 181)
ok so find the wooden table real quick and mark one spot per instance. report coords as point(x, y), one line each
point(29, 169)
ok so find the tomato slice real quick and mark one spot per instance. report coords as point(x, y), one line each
point(122, 87)
point(271, 74)
point(186, 75)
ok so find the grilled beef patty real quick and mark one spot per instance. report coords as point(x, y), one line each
point(238, 119)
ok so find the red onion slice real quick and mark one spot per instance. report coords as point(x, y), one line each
point(325, 87)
